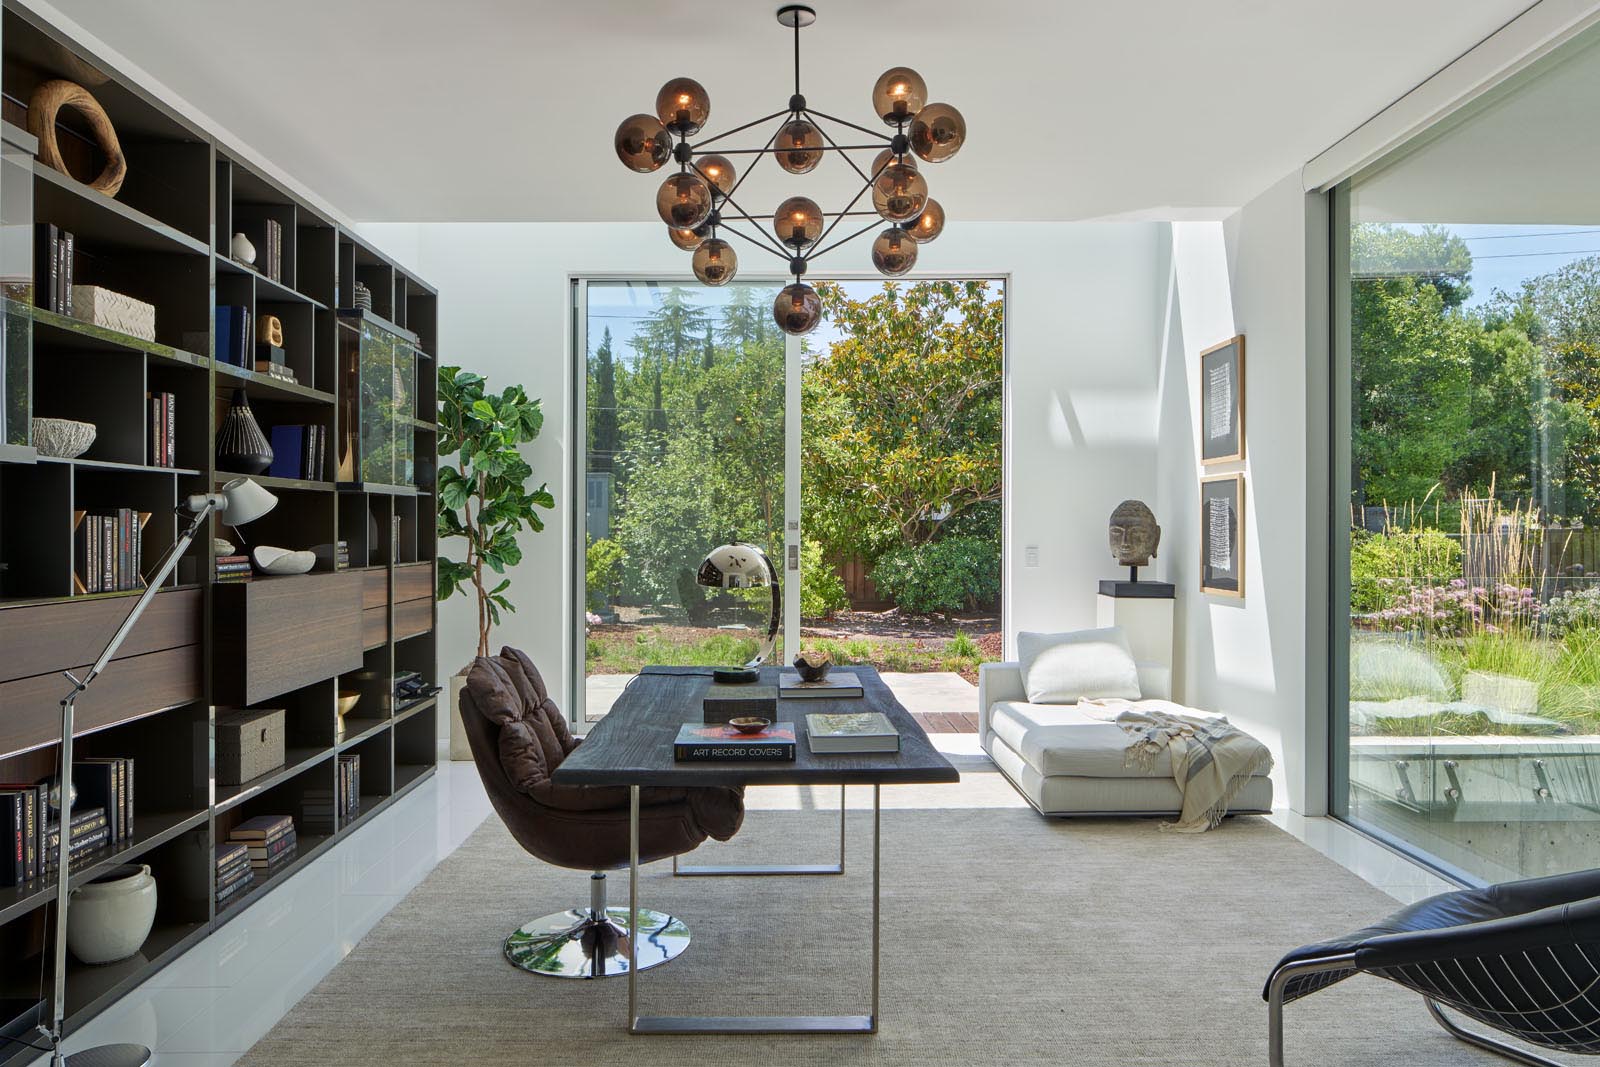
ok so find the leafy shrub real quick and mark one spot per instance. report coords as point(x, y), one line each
point(1574, 611)
point(1454, 609)
point(822, 591)
point(940, 576)
point(1379, 562)
point(963, 645)
point(602, 571)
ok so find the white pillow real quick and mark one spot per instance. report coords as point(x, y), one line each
point(1086, 665)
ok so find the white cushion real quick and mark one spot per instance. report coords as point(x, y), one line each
point(1085, 665)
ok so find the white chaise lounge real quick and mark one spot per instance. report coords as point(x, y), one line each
point(1067, 763)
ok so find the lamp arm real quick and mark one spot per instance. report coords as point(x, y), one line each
point(64, 803)
point(769, 644)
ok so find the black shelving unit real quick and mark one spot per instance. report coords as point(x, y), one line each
point(166, 239)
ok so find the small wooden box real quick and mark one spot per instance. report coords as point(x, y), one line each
point(249, 744)
point(724, 702)
point(114, 311)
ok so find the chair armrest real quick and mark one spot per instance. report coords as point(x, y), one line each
point(1560, 924)
point(997, 682)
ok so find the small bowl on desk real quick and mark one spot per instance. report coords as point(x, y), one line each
point(750, 724)
point(812, 666)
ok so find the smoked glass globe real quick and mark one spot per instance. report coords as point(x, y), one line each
point(642, 143)
point(719, 172)
point(929, 224)
point(798, 148)
point(886, 157)
point(683, 106)
point(798, 221)
point(688, 240)
point(899, 193)
point(684, 201)
point(898, 95)
point(938, 132)
point(797, 309)
point(894, 251)
point(715, 262)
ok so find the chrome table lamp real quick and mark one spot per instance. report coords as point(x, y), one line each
point(240, 501)
point(741, 565)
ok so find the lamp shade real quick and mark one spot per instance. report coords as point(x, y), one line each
point(244, 500)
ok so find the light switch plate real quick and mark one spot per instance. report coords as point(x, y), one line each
point(1030, 556)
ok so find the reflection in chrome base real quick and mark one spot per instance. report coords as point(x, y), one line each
point(576, 944)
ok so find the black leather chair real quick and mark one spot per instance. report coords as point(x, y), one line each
point(1522, 958)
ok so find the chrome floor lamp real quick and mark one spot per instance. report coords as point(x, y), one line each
point(240, 501)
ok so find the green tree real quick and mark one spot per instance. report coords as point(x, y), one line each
point(603, 424)
point(903, 414)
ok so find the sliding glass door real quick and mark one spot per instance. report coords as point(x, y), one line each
point(1467, 507)
point(704, 423)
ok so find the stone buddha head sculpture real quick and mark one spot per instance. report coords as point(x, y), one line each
point(1134, 533)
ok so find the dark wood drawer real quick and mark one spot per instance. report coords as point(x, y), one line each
point(414, 581)
point(278, 634)
point(375, 589)
point(49, 638)
point(130, 688)
point(413, 617)
point(374, 626)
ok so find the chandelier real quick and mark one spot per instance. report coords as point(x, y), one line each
point(698, 205)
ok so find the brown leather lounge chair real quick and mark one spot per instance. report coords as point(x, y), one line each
point(518, 737)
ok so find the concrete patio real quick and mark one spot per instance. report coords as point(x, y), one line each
point(943, 701)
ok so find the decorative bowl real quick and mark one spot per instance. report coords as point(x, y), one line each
point(813, 666)
point(112, 915)
point(348, 698)
point(62, 438)
point(750, 724)
point(271, 560)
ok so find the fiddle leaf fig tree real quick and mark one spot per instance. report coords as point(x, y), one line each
point(484, 497)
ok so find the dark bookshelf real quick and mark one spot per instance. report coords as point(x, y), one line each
point(203, 648)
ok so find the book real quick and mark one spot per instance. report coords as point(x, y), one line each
point(229, 852)
point(843, 685)
point(272, 848)
point(46, 264)
point(236, 888)
point(40, 807)
point(261, 827)
point(864, 731)
point(288, 452)
point(96, 783)
point(234, 334)
point(64, 299)
point(716, 743)
point(14, 868)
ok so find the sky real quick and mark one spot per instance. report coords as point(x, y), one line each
point(1504, 256)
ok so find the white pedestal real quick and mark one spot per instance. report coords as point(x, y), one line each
point(1146, 620)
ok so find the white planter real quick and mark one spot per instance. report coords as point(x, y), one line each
point(460, 749)
point(109, 919)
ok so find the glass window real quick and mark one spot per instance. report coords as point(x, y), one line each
point(1468, 329)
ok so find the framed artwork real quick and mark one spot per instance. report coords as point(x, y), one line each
point(1222, 535)
point(1222, 401)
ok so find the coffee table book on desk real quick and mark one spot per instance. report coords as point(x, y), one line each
point(633, 746)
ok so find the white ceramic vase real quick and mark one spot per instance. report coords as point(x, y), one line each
point(109, 918)
point(242, 249)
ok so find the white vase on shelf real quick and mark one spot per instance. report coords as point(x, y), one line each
point(110, 917)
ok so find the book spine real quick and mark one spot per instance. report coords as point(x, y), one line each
point(123, 814)
point(80, 551)
point(12, 870)
point(108, 554)
point(693, 753)
point(124, 549)
point(30, 831)
point(45, 265)
point(170, 439)
point(67, 259)
point(59, 277)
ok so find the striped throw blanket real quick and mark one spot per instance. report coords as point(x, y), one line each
point(1212, 760)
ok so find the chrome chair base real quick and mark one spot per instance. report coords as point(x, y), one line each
point(585, 944)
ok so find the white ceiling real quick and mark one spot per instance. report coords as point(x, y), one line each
point(420, 110)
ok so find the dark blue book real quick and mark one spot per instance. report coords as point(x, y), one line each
point(232, 323)
point(288, 452)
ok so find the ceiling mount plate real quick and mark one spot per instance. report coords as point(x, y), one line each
point(796, 15)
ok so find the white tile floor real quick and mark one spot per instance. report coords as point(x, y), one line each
point(212, 1004)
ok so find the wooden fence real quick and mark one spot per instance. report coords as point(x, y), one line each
point(864, 596)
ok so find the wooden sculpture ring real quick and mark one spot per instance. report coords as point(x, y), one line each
point(48, 99)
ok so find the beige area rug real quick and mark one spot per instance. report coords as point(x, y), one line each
point(1008, 939)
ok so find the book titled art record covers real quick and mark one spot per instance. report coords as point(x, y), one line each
point(701, 742)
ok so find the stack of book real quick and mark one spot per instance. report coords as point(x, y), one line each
point(234, 335)
point(107, 784)
point(270, 840)
point(270, 262)
point(349, 786)
point(341, 555)
point(278, 371)
point(90, 834)
point(298, 451)
point(325, 810)
point(107, 547)
point(235, 875)
point(163, 424)
point(23, 812)
point(233, 568)
point(52, 271)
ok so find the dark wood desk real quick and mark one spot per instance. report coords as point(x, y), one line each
point(632, 746)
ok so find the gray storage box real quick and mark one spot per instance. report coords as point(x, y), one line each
point(249, 744)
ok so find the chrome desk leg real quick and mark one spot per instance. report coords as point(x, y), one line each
point(757, 1024)
point(708, 870)
point(633, 903)
point(1275, 991)
point(1483, 1041)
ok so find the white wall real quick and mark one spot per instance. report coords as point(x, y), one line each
point(1083, 343)
point(1249, 657)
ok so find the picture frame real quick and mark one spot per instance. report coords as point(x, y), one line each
point(1222, 535)
point(1222, 402)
